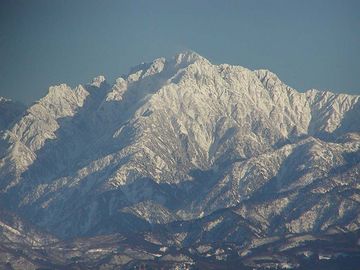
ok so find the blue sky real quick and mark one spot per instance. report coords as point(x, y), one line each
point(308, 43)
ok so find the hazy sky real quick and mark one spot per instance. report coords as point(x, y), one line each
point(308, 43)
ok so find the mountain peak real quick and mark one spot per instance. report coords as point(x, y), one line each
point(189, 57)
point(2, 99)
point(57, 91)
point(98, 81)
point(266, 75)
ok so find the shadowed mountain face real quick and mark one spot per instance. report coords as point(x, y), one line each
point(187, 153)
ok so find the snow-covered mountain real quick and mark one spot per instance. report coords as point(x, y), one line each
point(183, 141)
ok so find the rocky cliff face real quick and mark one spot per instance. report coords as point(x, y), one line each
point(179, 140)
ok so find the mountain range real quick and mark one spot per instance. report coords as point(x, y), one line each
point(181, 163)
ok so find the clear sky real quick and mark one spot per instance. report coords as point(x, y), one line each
point(308, 43)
